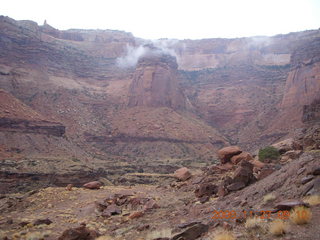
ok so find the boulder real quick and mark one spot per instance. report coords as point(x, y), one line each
point(182, 174)
point(287, 145)
point(244, 173)
point(112, 209)
point(92, 185)
point(192, 232)
point(225, 154)
point(222, 191)
point(242, 156)
point(206, 189)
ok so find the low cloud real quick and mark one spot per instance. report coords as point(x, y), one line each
point(156, 47)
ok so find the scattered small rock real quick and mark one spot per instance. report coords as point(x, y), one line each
point(182, 174)
point(188, 224)
point(143, 227)
point(69, 187)
point(112, 209)
point(301, 170)
point(45, 221)
point(236, 186)
point(92, 185)
point(316, 171)
point(134, 215)
point(204, 199)
point(23, 223)
point(307, 179)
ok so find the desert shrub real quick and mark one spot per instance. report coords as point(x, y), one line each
point(269, 198)
point(300, 215)
point(224, 236)
point(278, 227)
point(253, 223)
point(313, 200)
point(268, 152)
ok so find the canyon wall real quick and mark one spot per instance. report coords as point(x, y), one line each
point(161, 111)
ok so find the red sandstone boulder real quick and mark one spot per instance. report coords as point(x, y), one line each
point(242, 156)
point(244, 173)
point(92, 185)
point(182, 174)
point(225, 154)
point(137, 214)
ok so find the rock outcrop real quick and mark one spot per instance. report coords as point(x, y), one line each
point(155, 83)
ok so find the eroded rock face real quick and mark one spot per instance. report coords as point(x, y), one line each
point(155, 82)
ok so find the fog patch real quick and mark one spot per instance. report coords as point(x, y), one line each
point(155, 47)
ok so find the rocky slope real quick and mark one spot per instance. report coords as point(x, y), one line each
point(137, 105)
point(173, 208)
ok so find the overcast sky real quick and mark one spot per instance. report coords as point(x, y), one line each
point(181, 19)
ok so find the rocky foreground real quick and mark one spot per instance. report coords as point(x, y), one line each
point(222, 198)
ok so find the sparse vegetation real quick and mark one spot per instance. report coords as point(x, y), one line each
point(268, 152)
point(300, 215)
point(225, 235)
point(312, 200)
point(104, 238)
point(269, 198)
point(278, 227)
point(163, 233)
point(253, 223)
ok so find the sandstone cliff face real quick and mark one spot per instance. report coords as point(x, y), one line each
point(302, 87)
point(155, 83)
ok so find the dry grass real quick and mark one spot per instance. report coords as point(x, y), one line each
point(105, 238)
point(163, 233)
point(225, 235)
point(278, 227)
point(269, 198)
point(300, 215)
point(312, 200)
point(253, 223)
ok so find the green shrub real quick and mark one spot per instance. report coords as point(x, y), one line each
point(268, 153)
